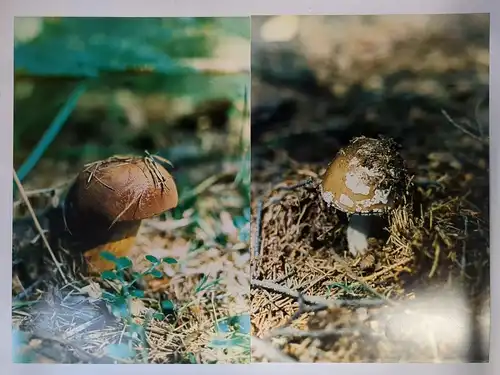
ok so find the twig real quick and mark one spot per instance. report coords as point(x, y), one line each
point(295, 186)
point(37, 225)
point(284, 277)
point(27, 292)
point(460, 127)
point(464, 247)
point(303, 309)
point(44, 191)
point(269, 285)
point(266, 349)
point(82, 327)
point(435, 262)
point(476, 117)
point(205, 185)
point(360, 280)
point(298, 333)
point(287, 188)
point(387, 269)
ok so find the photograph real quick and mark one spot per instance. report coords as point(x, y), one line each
point(131, 190)
point(370, 231)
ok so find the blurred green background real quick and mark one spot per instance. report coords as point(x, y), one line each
point(89, 88)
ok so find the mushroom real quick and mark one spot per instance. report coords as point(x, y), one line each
point(107, 201)
point(365, 180)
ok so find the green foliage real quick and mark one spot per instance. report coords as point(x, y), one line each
point(240, 26)
point(120, 301)
point(243, 225)
point(191, 358)
point(129, 289)
point(152, 259)
point(86, 47)
point(169, 260)
point(143, 55)
point(205, 285)
point(120, 351)
point(236, 331)
point(236, 323)
point(167, 305)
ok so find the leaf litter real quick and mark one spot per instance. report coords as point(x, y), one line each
point(204, 279)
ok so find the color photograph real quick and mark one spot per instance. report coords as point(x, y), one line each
point(370, 188)
point(131, 190)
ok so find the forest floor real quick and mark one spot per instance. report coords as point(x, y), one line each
point(196, 311)
point(421, 294)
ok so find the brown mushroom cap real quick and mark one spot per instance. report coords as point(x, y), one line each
point(123, 189)
point(368, 176)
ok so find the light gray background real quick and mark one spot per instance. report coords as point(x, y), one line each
point(169, 8)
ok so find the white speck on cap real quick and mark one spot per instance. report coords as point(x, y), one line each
point(327, 197)
point(345, 200)
point(379, 197)
point(357, 179)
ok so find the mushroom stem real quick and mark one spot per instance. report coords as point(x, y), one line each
point(358, 231)
point(117, 240)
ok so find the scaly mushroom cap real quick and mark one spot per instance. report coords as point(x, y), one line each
point(123, 189)
point(368, 176)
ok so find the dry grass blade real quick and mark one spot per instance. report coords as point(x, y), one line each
point(38, 226)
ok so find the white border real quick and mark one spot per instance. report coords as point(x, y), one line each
point(11, 8)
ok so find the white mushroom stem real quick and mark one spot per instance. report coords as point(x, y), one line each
point(358, 232)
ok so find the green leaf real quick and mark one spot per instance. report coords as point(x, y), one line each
point(123, 263)
point(240, 221)
point(120, 307)
point(137, 293)
point(136, 275)
point(122, 351)
point(203, 285)
point(167, 305)
point(108, 256)
point(154, 260)
point(239, 26)
point(238, 323)
point(158, 316)
point(109, 297)
point(191, 358)
point(136, 328)
point(200, 285)
point(169, 260)
point(156, 273)
point(109, 275)
point(221, 238)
